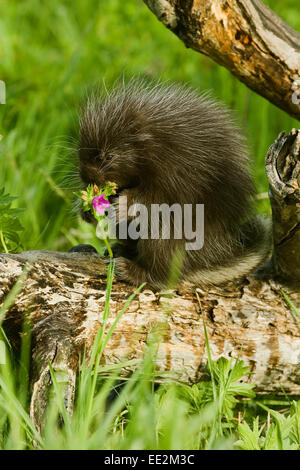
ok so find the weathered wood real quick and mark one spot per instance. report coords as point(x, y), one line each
point(246, 37)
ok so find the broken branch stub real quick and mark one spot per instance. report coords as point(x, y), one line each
point(283, 171)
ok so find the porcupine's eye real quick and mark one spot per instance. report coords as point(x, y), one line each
point(109, 157)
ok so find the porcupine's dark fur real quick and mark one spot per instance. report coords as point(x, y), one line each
point(168, 144)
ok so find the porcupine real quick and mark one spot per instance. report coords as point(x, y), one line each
point(165, 143)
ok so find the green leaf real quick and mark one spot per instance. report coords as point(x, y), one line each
point(9, 223)
point(249, 438)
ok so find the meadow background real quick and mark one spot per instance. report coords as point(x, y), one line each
point(51, 54)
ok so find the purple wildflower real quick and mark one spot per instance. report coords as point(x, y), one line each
point(100, 204)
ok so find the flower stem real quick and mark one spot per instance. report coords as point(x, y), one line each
point(106, 243)
point(3, 242)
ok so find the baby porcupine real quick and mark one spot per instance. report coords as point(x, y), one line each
point(166, 144)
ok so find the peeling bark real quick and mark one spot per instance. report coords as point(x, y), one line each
point(244, 36)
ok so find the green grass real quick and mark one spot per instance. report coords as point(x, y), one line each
point(51, 54)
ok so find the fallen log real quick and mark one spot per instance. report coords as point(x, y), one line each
point(63, 295)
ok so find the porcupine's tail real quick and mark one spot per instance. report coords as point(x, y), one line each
point(253, 250)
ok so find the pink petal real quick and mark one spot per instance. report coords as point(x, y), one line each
point(100, 203)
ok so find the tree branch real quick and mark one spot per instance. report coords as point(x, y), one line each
point(244, 36)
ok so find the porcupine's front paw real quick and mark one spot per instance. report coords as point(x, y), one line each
point(127, 270)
